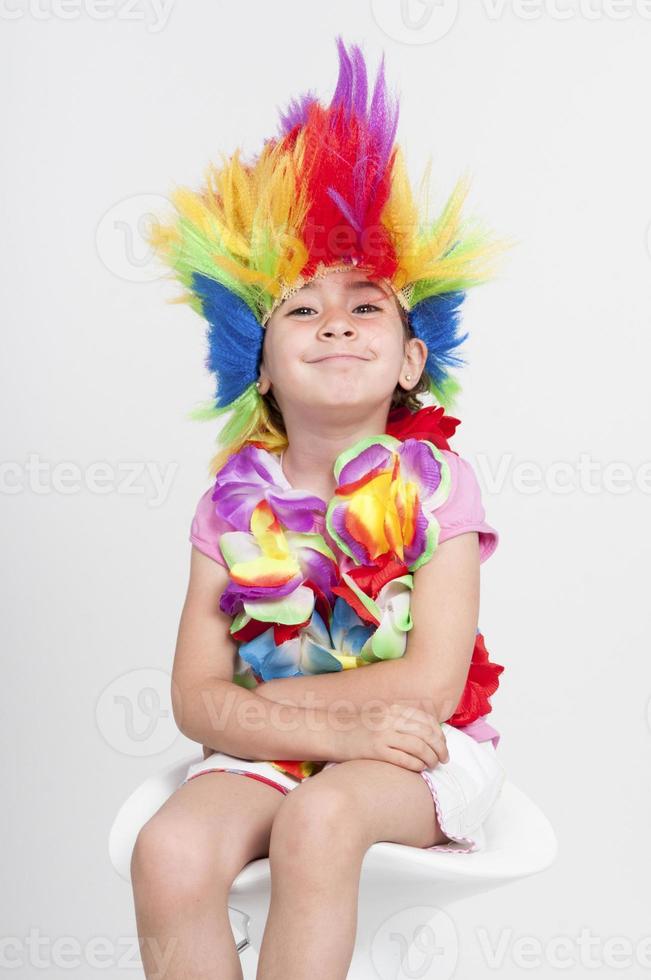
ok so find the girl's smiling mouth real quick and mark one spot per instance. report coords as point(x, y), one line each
point(339, 357)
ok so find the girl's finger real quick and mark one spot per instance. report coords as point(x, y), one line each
point(405, 759)
point(432, 733)
point(436, 739)
point(420, 748)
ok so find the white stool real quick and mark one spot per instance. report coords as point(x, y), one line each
point(395, 877)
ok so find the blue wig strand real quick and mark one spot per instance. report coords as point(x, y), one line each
point(435, 321)
point(234, 338)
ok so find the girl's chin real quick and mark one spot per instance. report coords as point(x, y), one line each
point(342, 397)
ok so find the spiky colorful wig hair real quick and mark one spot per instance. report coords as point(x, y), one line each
point(329, 191)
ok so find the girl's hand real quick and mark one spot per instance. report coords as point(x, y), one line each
point(403, 734)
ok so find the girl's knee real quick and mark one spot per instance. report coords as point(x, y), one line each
point(313, 819)
point(173, 858)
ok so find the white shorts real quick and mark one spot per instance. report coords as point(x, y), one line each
point(464, 790)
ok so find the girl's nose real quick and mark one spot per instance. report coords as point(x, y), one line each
point(337, 324)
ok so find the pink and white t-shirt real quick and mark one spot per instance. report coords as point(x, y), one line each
point(462, 511)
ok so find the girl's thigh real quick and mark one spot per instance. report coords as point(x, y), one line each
point(210, 827)
point(386, 802)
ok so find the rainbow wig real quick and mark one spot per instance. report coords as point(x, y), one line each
point(329, 191)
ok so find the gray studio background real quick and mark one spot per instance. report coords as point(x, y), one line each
point(105, 109)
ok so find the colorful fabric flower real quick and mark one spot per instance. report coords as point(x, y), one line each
point(348, 641)
point(388, 612)
point(269, 569)
point(384, 502)
point(253, 475)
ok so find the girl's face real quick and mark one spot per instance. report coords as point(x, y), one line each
point(338, 341)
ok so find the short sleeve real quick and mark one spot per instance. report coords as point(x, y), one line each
point(464, 510)
point(204, 530)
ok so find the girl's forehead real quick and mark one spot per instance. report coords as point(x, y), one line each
point(343, 282)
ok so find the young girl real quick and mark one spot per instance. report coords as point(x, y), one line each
point(342, 532)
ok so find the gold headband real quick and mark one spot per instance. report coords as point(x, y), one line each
point(402, 295)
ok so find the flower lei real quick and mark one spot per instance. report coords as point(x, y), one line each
point(297, 607)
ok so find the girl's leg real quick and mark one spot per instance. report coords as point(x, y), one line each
point(184, 863)
point(318, 841)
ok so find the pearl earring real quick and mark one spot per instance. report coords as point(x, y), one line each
point(407, 377)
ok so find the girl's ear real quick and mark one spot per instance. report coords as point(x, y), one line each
point(264, 382)
point(413, 362)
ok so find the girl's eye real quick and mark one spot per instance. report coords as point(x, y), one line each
point(369, 306)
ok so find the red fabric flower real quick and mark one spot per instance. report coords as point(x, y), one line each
point(429, 423)
point(481, 683)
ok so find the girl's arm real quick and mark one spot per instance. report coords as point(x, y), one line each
point(433, 671)
point(225, 717)
point(212, 710)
